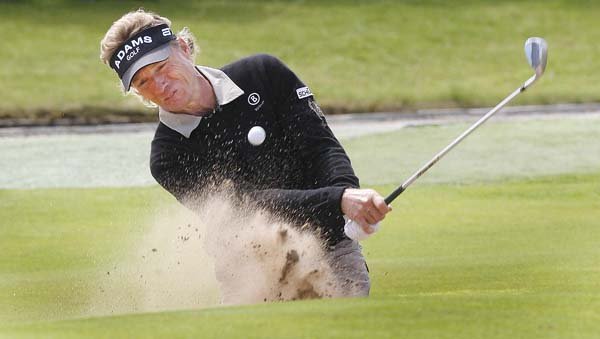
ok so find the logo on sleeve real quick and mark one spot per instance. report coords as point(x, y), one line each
point(315, 108)
point(303, 92)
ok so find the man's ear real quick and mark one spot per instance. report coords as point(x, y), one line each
point(184, 47)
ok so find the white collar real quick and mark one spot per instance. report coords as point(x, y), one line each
point(225, 91)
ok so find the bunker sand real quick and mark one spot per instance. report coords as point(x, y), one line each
point(220, 254)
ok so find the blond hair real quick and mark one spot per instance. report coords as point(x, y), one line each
point(132, 23)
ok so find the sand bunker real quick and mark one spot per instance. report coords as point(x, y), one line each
point(262, 259)
point(219, 255)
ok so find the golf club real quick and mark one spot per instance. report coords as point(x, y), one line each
point(536, 51)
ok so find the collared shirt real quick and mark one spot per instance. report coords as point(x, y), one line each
point(225, 91)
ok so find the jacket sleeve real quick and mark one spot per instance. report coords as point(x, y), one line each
point(179, 170)
point(328, 167)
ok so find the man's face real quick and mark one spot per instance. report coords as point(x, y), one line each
point(168, 83)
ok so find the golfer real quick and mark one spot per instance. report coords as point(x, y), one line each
point(299, 171)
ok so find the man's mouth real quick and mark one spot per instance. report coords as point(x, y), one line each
point(171, 95)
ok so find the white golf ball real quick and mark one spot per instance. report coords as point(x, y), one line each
point(257, 135)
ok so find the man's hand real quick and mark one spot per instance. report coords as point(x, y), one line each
point(365, 207)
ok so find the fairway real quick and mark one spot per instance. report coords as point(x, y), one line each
point(507, 256)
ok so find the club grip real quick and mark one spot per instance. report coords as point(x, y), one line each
point(394, 195)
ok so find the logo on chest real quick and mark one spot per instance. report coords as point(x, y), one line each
point(254, 100)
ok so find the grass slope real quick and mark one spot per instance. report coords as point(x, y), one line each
point(517, 259)
point(355, 55)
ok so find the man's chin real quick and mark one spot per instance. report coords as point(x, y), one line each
point(172, 106)
point(175, 110)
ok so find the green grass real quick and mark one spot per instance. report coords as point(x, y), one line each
point(517, 259)
point(355, 55)
point(54, 242)
point(511, 257)
point(497, 151)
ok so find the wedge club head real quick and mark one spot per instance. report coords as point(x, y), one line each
point(536, 51)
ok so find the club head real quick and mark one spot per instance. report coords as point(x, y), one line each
point(536, 51)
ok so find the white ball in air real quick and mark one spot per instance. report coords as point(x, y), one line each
point(256, 135)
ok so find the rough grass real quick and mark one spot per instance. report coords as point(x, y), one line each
point(504, 260)
point(355, 55)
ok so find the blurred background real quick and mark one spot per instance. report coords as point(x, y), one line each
point(356, 56)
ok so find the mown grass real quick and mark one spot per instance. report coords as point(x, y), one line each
point(497, 151)
point(53, 243)
point(516, 259)
point(355, 55)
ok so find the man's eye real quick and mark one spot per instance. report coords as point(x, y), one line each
point(161, 67)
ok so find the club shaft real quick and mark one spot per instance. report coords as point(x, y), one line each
point(456, 141)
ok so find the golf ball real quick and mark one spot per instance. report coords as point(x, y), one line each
point(256, 135)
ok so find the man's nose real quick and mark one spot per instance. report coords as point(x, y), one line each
point(160, 83)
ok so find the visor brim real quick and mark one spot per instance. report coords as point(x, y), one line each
point(158, 54)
